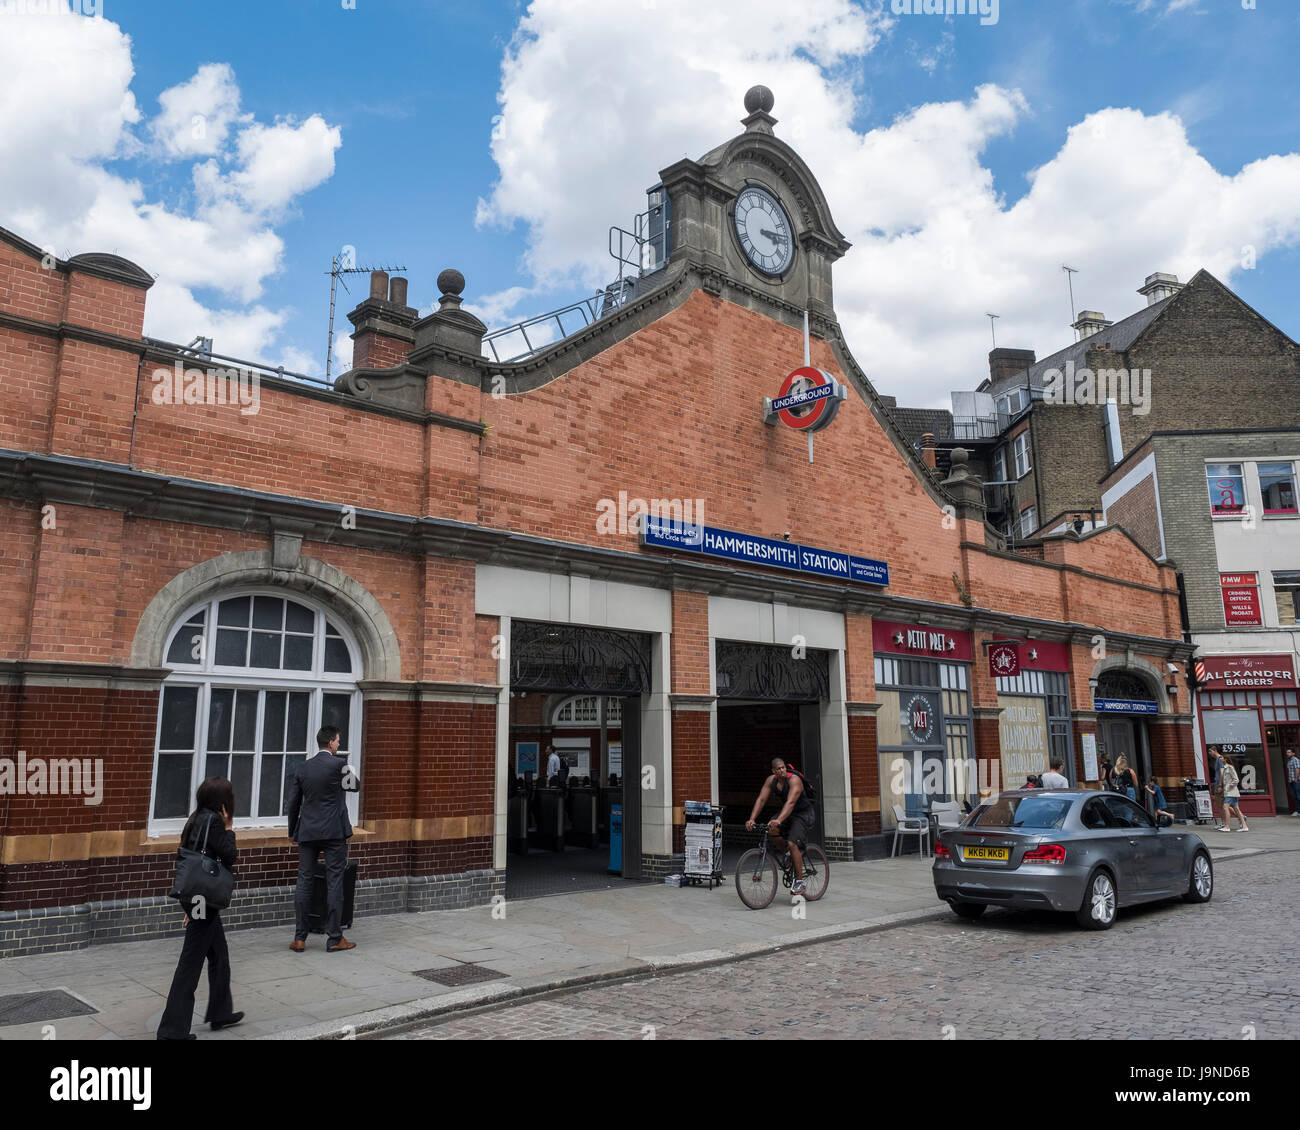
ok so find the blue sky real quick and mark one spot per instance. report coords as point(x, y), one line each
point(374, 127)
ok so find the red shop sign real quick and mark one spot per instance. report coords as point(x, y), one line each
point(1240, 599)
point(917, 639)
point(1034, 655)
point(1221, 672)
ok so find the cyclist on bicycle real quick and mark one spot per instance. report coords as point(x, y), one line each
point(790, 828)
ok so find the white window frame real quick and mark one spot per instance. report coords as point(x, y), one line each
point(1028, 521)
point(206, 676)
point(1020, 445)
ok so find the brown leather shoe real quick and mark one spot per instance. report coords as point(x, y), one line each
point(297, 945)
point(342, 944)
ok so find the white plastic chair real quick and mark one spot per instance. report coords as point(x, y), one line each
point(910, 826)
point(947, 812)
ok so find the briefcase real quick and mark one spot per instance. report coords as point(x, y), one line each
point(316, 915)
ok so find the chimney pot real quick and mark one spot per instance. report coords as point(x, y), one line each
point(1090, 322)
point(927, 449)
point(379, 284)
point(1159, 286)
point(397, 291)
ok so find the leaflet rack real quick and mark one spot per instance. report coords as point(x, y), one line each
point(703, 844)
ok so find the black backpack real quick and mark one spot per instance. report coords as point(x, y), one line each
point(808, 789)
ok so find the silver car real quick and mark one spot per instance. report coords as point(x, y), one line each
point(1073, 850)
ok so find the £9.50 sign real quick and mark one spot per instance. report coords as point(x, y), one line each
point(808, 400)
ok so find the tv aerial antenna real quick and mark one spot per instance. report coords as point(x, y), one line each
point(993, 331)
point(338, 269)
point(1070, 272)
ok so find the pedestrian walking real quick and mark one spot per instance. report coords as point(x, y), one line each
point(209, 829)
point(1231, 783)
point(1293, 781)
point(1055, 777)
point(1125, 778)
point(319, 824)
point(1107, 775)
point(1155, 799)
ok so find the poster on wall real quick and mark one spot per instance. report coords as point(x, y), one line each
point(614, 763)
point(1022, 734)
point(577, 752)
point(1091, 771)
point(525, 758)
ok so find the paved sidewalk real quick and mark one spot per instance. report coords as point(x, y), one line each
point(541, 943)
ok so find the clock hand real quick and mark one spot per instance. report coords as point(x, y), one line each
point(775, 237)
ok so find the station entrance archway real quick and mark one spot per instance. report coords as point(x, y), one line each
point(579, 691)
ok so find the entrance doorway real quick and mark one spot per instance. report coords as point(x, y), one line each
point(572, 822)
point(1127, 737)
point(1279, 739)
point(750, 734)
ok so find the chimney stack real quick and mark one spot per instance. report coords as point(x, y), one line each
point(1004, 363)
point(1160, 286)
point(927, 449)
point(1090, 322)
point(383, 335)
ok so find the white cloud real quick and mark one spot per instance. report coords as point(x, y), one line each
point(68, 109)
point(196, 115)
point(583, 131)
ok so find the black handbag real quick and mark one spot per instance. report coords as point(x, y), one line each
point(200, 876)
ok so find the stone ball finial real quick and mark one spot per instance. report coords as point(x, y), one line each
point(451, 281)
point(759, 98)
point(960, 457)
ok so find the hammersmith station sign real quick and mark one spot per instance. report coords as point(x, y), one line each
point(665, 533)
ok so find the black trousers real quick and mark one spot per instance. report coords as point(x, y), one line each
point(205, 940)
point(336, 860)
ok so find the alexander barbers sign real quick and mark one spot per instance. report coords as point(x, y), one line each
point(1220, 672)
point(729, 545)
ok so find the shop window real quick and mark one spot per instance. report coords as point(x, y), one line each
point(1237, 734)
point(1286, 589)
point(1277, 486)
point(254, 676)
point(1227, 489)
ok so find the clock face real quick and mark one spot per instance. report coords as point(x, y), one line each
point(764, 231)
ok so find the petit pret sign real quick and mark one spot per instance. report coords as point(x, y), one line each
point(808, 400)
point(1004, 660)
point(1219, 672)
point(918, 639)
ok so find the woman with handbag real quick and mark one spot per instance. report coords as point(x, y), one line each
point(1125, 778)
point(209, 843)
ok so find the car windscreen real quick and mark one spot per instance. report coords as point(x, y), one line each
point(1023, 812)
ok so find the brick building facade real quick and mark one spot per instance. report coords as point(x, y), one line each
point(190, 585)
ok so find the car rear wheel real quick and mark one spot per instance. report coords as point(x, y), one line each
point(967, 909)
point(1200, 884)
point(1099, 903)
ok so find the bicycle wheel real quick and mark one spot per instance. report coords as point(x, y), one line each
point(816, 872)
point(756, 879)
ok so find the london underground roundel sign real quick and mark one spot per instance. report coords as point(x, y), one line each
point(808, 400)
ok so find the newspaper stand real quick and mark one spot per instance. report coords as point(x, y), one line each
point(1197, 798)
point(703, 844)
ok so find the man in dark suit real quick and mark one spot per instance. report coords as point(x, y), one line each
point(318, 822)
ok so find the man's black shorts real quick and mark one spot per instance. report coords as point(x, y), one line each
point(796, 829)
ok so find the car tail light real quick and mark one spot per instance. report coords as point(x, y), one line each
point(1045, 853)
point(941, 852)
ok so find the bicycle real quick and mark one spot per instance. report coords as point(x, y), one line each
point(756, 874)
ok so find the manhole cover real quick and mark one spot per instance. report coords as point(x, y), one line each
point(465, 974)
point(51, 1004)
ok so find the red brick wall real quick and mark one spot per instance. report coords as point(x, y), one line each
point(62, 722)
point(691, 770)
point(864, 771)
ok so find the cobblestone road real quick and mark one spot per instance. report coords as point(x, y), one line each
point(1161, 971)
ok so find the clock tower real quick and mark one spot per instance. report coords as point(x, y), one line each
point(752, 215)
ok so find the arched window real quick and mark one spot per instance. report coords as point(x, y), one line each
point(254, 676)
point(584, 710)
